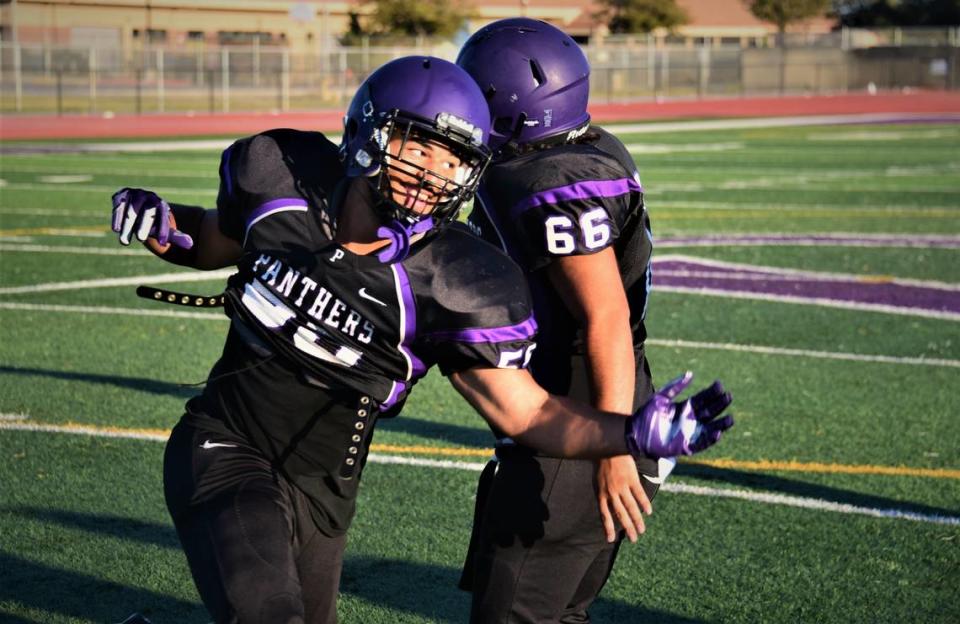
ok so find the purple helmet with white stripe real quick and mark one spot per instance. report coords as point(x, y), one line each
point(423, 98)
point(535, 77)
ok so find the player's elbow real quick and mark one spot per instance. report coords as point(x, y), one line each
point(523, 420)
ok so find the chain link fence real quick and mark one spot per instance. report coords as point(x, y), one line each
point(52, 79)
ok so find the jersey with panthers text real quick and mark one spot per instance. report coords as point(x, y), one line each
point(572, 199)
point(311, 319)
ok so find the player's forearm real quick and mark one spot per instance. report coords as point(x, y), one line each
point(608, 344)
point(211, 249)
point(513, 403)
point(562, 427)
point(187, 220)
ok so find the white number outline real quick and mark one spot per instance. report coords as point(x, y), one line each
point(594, 227)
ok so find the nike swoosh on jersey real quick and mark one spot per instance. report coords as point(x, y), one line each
point(207, 444)
point(363, 293)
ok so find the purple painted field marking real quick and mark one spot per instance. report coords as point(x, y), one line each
point(688, 274)
point(925, 241)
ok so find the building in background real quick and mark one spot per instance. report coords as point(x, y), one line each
point(303, 26)
point(144, 56)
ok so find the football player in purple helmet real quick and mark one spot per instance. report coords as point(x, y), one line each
point(353, 279)
point(564, 200)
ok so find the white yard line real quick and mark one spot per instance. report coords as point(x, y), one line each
point(163, 278)
point(773, 206)
point(163, 191)
point(66, 232)
point(820, 276)
point(827, 355)
point(774, 122)
point(36, 149)
point(668, 148)
point(50, 212)
point(799, 242)
point(71, 249)
point(812, 187)
point(839, 235)
point(46, 307)
point(881, 135)
point(768, 498)
point(765, 350)
point(73, 159)
point(817, 504)
point(87, 172)
point(792, 186)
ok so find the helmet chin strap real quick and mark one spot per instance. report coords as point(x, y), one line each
point(400, 235)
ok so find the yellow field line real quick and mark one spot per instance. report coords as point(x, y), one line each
point(53, 230)
point(433, 450)
point(818, 467)
point(450, 451)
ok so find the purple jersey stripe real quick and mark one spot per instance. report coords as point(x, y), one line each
point(274, 205)
point(409, 310)
point(587, 189)
point(271, 207)
point(507, 333)
point(409, 319)
point(396, 391)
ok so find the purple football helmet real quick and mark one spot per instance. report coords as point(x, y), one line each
point(535, 77)
point(423, 98)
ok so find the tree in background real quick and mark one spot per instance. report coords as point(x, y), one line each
point(782, 13)
point(640, 16)
point(879, 13)
point(414, 18)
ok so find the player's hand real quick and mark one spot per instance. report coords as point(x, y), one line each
point(144, 214)
point(621, 496)
point(664, 428)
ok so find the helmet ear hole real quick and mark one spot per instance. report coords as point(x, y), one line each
point(538, 76)
point(503, 125)
point(351, 129)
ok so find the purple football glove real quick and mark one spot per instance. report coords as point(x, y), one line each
point(144, 213)
point(662, 428)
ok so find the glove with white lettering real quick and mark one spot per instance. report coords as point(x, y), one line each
point(144, 213)
point(664, 428)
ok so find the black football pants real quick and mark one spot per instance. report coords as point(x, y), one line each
point(539, 553)
point(255, 553)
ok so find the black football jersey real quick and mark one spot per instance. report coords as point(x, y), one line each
point(349, 319)
point(568, 200)
point(311, 319)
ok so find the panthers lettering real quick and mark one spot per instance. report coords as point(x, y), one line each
point(321, 304)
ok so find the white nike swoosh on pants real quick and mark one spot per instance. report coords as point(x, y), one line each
point(207, 444)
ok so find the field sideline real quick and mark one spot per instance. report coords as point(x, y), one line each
point(814, 268)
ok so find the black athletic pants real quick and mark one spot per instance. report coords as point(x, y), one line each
point(539, 553)
point(256, 555)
